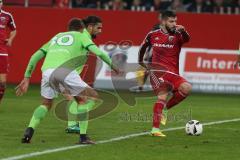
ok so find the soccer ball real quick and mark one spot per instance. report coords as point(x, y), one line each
point(194, 128)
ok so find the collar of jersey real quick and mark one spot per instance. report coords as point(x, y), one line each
point(87, 33)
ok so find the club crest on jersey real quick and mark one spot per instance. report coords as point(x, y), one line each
point(170, 38)
point(157, 38)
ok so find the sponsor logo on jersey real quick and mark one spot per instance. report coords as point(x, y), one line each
point(163, 45)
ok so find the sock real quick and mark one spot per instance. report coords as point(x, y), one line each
point(73, 111)
point(39, 113)
point(83, 111)
point(157, 111)
point(2, 90)
point(176, 98)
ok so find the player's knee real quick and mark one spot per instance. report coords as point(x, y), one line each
point(48, 103)
point(162, 96)
point(185, 88)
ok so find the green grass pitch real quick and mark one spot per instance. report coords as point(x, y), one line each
point(218, 142)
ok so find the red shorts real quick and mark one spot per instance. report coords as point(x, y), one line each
point(165, 82)
point(4, 64)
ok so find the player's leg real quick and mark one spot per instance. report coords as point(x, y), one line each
point(40, 112)
point(157, 114)
point(162, 94)
point(3, 80)
point(38, 115)
point(180, 89)
point(85, 96)
point(180, 94)
point(3, 75)
point(72, 125)
point(88, 96)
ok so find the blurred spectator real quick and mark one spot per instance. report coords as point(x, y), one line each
point(198, 6)
point(117, 5)
point(78, 4)
point(221, 6)
point(137, 5)
point(177, 6)
point(201, 6)
point(236, 4)
point(161, 5)
point(93, 4)
point(62, 3)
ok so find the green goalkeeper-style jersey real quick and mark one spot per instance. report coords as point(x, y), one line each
point(68, 50)
point(64, 47)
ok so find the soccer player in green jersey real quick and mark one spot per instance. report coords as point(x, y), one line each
point(73, 125)
point(59, 51)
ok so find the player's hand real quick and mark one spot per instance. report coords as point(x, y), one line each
point(9, 42)
point(22, 87)
point(180, 28)
point(143, 65)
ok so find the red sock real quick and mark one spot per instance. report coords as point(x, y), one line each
point(2, 90)
point(157, 111)
point(176, 98)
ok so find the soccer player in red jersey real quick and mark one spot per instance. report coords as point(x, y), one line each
point(7, 34)
point(166, 43)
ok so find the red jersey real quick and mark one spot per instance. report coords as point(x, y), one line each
point(166, 48)
point(6, 23)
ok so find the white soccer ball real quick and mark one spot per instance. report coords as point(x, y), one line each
point(194, 128)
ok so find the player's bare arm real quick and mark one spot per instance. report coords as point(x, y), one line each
point(185, 35)
point(142, 51)
point(11, 38)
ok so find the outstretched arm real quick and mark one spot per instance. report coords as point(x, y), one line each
point(23, 86)
point(94, 49)
point(36, 57)
point(12, 35)
point(145, 44)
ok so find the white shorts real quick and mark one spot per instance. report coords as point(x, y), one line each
point(59, 80)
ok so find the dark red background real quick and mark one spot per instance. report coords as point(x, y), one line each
point(37, 25)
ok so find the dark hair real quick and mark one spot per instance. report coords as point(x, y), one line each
point(167, 14)
point(91, 20)
point(75, 24)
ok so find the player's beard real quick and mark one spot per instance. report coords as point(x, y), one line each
point(171, 30)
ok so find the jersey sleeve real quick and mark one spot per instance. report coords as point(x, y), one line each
point(145, 44)
point(45, 47)
point(94, 49)
point(36, 57)
point(11, 23)
point(184, 37)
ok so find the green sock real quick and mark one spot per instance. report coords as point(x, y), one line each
point(39, 113)
point(73, 111)
point(83, 109)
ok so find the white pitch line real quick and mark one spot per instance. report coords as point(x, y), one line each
point(108, 141)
